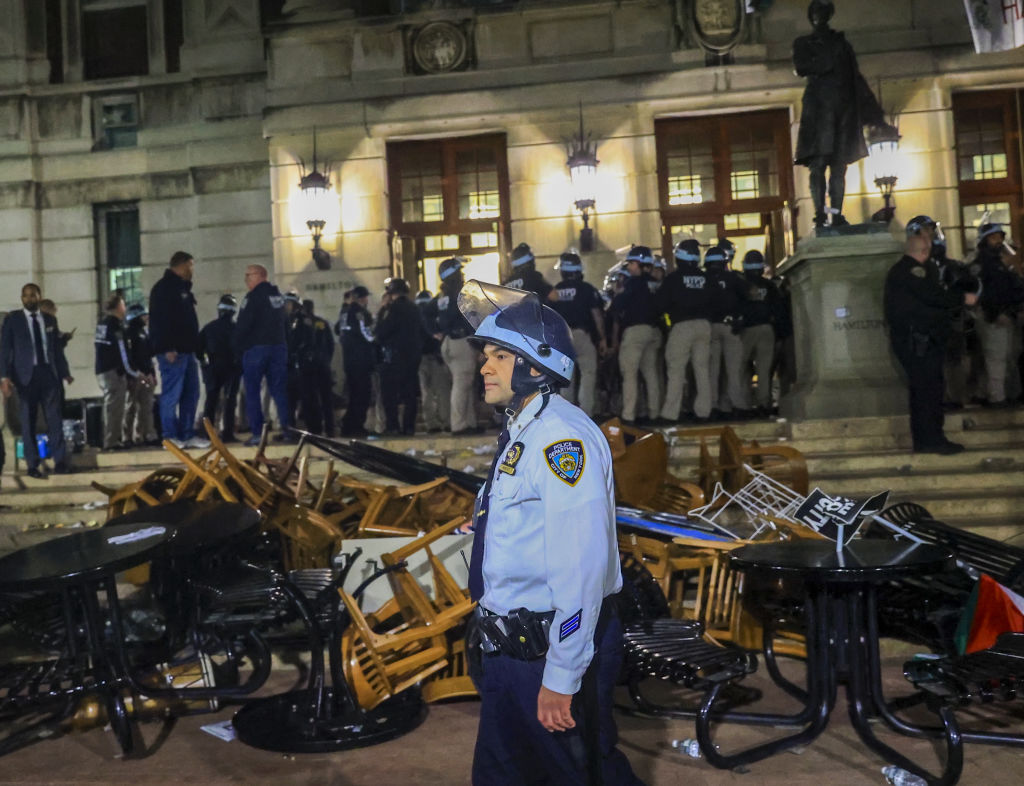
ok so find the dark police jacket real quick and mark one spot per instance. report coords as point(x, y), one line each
point(301, 341)
point(686, 294)
point(428, 315)
point(917, 303)
point(400, 332)
point(216, 344)
point(173, 324)
point(323, 342)
point(357, 340)
point(530, 281)
point(111, 351)
point(726, 294)
point(140, 348)
point(450, 320)
point(576, 303)
point(261, 318)
point(762, 302)
point(1002, 290)
point(635, 304)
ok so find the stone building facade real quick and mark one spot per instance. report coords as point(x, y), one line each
point(443, 126)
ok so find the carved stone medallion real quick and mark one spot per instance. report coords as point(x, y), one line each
point(717, 25)
point(440, 47)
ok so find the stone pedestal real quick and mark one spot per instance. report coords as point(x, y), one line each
point(844, 367)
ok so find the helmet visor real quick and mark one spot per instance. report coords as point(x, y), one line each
point(478, 300)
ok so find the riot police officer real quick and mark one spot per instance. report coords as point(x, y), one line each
point(726, 345)
point(435, 379)
point(760, 308)
point(261, 342)
point(1000, 301)
point(459, 355)
point(685, 298)
point(220, 366)
point(581, 306)
point(400, 336)
point(358, 358)
point(525, 274)
point(544, 642)
point(917, 309)
point(321, 381)
point(635, 336)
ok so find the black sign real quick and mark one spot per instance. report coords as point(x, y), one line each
point(833, 516)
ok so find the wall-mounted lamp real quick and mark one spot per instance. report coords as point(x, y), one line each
point(582, 165)
point(316, 196)
point(883, 158)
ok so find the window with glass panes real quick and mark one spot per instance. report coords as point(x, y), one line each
point(118, 251)
point(449, 197)
point(723, 175)
point(988, 154)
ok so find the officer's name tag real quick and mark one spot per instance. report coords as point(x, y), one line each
point(512, 456)
point(566, 459)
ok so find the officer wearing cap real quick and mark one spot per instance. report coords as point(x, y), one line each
point(686, 300)
point(726, 345)
point(222, 371)
point(400, 336)
point(760, 309)
point(580, 305)
point(138, 416)
point(635, 336)
point(261, 342)
point(917, 310)
point(459, 355)
point(1001, 301)
point(435, 378)
point(357, 353)
point(544, 642)
point(525, 275)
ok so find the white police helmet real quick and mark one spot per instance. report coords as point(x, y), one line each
point(519, 322)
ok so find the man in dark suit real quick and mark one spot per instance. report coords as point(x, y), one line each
point(32, 360)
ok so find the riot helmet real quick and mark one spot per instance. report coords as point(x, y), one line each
point(449, 267)
point(728, 247)
point(919, 224)
point(715, 258)
point(227, 304)
point(688, 252)
point(985, 230)
point(135, 311)
point(396, 286)
point(423, 296)
point(570, 265)
point(753, 261)
point(521, 255)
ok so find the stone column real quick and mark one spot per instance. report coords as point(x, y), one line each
point(844, 367)
point(23, 43)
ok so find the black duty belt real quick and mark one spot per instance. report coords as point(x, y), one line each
point(521, 634)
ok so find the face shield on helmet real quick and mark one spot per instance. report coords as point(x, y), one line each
point(517, 321)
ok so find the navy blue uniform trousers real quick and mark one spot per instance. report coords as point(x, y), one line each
point(511, 745)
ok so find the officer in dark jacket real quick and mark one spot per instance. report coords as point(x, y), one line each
point(358, 356)
point(174, 331)
point(301, 342)
point(138, 415)
point(582, 308)
point(321, 381)
point(1001, 299)
point(760, 309)
point(726, 345)
point(222, 371)
point(400, 336)
point(525, 274)
point(112, 371)
point(435, 378)
point(686, 299)
point(458, 354)
point(261, 343)
point(917, 309)
point(636, 337)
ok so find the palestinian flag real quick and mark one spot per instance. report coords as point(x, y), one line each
point(991, 610)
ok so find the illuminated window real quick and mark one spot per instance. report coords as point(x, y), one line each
point(736, 221)
point(119, 251)
point(685, 190)
point(441, 242)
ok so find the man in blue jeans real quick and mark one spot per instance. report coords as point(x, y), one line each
point(174, 332)
point(260, 340)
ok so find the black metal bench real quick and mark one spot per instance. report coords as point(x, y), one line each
point(928, 610)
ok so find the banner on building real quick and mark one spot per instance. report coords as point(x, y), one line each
point(997, 25)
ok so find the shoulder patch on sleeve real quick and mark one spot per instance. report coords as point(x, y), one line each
point(566, 459)
point(570, 626)
point(918, 271)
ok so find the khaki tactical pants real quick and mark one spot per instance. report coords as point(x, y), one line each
point(138, 414)
point(586, 363)
point(759, 345)
point(997, 344)
point(727, 352)
point(638, 354)
point(461, 358)
point(688, 343)
point(436, 393)
point(115, 392)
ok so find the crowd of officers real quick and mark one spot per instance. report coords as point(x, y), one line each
point(702, 342)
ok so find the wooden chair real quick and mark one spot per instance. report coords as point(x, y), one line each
point(672, 567)
point(308, 539)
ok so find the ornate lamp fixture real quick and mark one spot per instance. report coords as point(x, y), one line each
point(582, 165)
point(883, 158)
point(316, 196)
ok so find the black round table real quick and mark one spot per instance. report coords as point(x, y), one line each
point(839, 610)
point(77, 568)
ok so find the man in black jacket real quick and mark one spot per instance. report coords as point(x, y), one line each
point(261, 342)
point(174, 331)
point(435, 378)
point(113, 369)
point(321, 380)
point(1001, 299)
point(400, 335)
point(918, 310)
point(221, 370)
point(760, 310)
point(525, 275)
point(358, 357)
point(138, 415)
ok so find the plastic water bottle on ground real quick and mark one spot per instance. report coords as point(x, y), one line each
point(690, 747)
point(900, 777)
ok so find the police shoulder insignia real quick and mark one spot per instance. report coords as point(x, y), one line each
point(566, 459)
point(918, 271)
point(570, 626)
point(511, 458)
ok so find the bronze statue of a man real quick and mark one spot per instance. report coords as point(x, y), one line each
point(837, 105)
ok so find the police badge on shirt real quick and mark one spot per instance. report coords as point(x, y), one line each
point(566, 459)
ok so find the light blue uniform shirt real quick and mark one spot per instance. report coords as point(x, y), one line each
point(551, 539)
